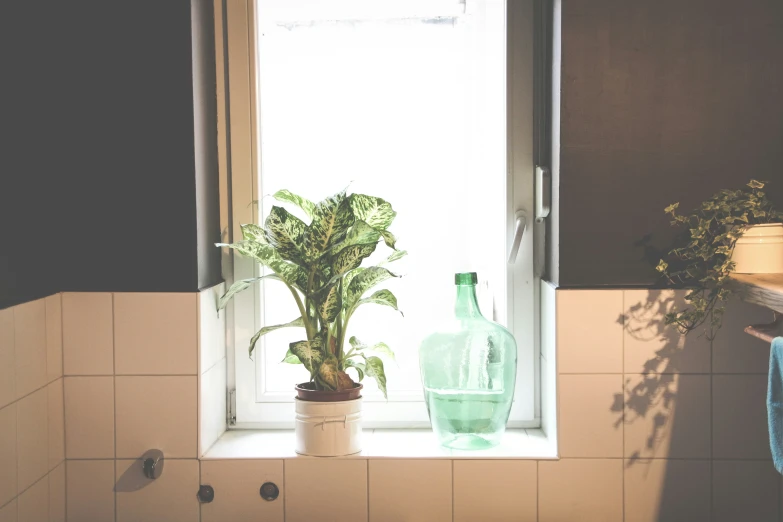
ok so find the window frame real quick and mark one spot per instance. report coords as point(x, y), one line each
point(238, 155)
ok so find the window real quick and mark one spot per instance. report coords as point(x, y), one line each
point(405, 100)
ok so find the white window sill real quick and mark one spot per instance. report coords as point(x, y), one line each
point(380, 444)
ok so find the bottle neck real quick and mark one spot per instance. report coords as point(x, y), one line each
point(467, 305)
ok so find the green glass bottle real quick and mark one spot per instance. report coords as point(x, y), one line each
point(468, 369)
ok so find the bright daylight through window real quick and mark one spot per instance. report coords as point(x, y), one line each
point(404, 100)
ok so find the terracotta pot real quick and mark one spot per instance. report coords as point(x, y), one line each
point(306, 392)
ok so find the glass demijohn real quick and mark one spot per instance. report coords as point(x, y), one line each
point(468, 369)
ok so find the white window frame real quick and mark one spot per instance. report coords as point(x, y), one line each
point(237, 121)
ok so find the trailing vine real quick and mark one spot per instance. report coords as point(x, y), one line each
point(703, 265)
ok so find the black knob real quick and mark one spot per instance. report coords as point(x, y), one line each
point(269, 491)
point(205, 494)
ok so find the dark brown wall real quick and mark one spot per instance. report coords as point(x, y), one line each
point(108, 171)
point(662, 101)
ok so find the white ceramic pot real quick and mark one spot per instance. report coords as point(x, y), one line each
point(760, 250)
point(328, 429)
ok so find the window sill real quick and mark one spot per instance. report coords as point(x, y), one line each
point(382, 444)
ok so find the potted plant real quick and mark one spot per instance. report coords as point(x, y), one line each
point(320, 263)
point(717, 242)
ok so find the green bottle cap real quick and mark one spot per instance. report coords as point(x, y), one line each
point(466, 278)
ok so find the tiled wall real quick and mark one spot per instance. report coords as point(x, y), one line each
point(652, 426)
point(655, 426)
point(32, 467)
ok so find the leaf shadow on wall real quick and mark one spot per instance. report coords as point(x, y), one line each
point(662, 355)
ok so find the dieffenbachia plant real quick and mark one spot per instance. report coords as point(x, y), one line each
point(320, 263)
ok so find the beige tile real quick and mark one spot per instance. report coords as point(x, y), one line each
point(425, 485)
point(57, 494)
point(7, 453)
point(734, 351)
point(739, 417)
point(32, 438)
point(212, 328)
point(55, 406)
point(495, 490)
point(7, 358)
point(8, 512)
point(584, 490)
point(88, 346)
point(89, 490)
point(650, 345)
point(54, 337)
point(237, 484)
point(591, 415)
point(156, 333)
point(156, 412)
point(589, 331)
point(667, 416)
point(170, 497)
point(33, 504)
point(309, 492)
point(30, 346)
point(212, 405)
point(744, 490)
point(89, 417)
point(667, 490)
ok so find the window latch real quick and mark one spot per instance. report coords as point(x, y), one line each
point(543, 193)
point(520, 224)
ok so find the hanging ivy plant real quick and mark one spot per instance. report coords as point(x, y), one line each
point(703, 265)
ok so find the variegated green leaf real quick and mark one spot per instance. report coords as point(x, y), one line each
point(360, 233)
point(305, 204)
point(389, 239)
point(266, 255)
point(309, 352)
point(298, 322)
point(350, 363)
point(381, 297)
point(328, 372)
point(380, 348)
point(373, 367)
point(253, 232)
point(290, 358)
point(285, 233)
point(351, 257)
point(397, 254)
point(251, 249)
point(383, 349)
point(331, 219)
point(330, 305)
point(239, 286)
point(363, 282)
point(376, 212)
point(350, 276)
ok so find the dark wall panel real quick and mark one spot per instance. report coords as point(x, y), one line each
point(99, 180)
point(661, 101)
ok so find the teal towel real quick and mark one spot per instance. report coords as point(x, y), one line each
point(775, 403)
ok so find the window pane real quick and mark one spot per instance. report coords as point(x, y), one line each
point(409, 109)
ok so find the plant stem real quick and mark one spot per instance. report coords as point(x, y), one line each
point(305, 317)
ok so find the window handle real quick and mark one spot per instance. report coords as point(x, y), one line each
point(520, 225)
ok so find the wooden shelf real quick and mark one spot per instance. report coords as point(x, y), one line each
point(761, 289)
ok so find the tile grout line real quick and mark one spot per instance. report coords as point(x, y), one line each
point(114, 398)
point(368, 489)
point(16, 416)
point(452, 491)
point(712, 436)
point(622, 389)
point(538, 490)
